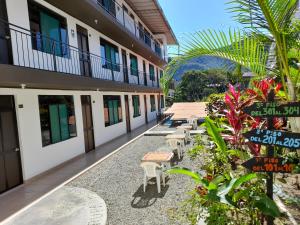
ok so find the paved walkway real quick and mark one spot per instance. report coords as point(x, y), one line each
point(66, 206)
point(18, 198)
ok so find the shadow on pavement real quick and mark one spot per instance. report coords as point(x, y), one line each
point(146, 199)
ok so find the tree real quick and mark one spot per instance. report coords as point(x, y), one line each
point(267, 23)
point(196, 85)
point(237, 74)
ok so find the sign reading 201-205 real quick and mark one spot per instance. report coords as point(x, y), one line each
point(278, 138)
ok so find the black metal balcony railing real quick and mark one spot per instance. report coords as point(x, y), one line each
point(122, 17)
point(36, 51)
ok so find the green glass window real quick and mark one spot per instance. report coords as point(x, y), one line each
point(161, 74)
point(133, 65)
point(110, 55)
point(57, 117)
point(108, 5)
point(50, 28)
point(152, 103)
point(162, 102)
point(49, 31)
point(152, 73)
point(112, 110)
point(136, 105)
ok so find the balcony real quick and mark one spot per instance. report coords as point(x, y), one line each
point(114, 22)
point(122, 17)
point(23, 48)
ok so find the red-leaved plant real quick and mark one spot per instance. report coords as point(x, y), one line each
point(238, 120)
point(260, 93)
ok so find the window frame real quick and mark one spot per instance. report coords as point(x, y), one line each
point(34, 10)
point(136, 97)
point(57, 100)
point(110, 8)
point(134, 71)
point(161, 74)
point(115, 111)
point(152, 103)
point(109, 63)
point(152, 76)
point(162, 102)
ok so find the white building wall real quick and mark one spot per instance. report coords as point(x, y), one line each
point(37, 159)
point(140, 120)
point(152, 115)
point(104, 134)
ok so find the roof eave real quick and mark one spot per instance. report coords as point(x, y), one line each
point(175, 41)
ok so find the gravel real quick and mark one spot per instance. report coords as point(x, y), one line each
point(119, 181)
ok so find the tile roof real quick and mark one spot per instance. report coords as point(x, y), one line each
point(186, 110)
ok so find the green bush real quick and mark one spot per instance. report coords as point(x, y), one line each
point(215, 104)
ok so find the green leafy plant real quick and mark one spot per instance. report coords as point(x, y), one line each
point(215, 105)
point(233, 195)
point(231, 191)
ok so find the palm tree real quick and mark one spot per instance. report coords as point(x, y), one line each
point(267, 23)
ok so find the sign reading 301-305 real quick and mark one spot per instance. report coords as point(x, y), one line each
point(273, 109)
point(274, 137)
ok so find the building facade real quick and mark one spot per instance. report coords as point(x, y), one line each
point(74, 75)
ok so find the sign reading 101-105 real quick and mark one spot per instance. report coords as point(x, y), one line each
point(269, 164)
point(274, 137)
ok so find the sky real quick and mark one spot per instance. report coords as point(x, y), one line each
point(189, 16)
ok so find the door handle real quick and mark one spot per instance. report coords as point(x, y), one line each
point(17, 149)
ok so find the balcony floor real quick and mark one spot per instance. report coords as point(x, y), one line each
point(14, 76)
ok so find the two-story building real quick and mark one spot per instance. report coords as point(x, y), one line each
point(74, 75)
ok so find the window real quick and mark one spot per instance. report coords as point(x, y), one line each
point(157, 76)
point(161, 74)
point(151, 71)
point(152, 103)
point(49, 31)
point(133, 65)
point(147, 38)
point(132, 16)
point(162, 102)
point(136, 105)
point(112, 110)
point(57, 116)
point(125, 9)
point(110, 54)
point(157, 48)
point(141, 31)
point(109, 6)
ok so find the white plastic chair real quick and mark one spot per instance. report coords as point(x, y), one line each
point(186, 133)
point(176, 145)
point(152, 169)
point(193, 123)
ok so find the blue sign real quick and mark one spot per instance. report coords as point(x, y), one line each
point(274, 137)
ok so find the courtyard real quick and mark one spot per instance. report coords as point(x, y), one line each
point(118, 180)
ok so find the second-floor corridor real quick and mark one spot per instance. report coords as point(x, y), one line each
point(50, 43)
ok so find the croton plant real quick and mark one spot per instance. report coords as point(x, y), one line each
point(238, 121)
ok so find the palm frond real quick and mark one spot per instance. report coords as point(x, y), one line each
point(235, 45)
point(270, 15)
